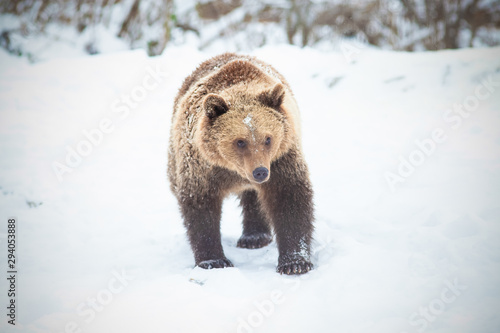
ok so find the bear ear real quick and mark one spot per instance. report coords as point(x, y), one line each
point(214, 106)
point(274, 97)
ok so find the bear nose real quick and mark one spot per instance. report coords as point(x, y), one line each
point(260, 174)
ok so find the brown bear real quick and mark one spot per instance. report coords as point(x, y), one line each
point(235, 129)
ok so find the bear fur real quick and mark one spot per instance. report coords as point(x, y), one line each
point(235, 130)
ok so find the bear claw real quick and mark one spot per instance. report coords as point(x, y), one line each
point(294, 268)
point(215, 263)
point(254, 241)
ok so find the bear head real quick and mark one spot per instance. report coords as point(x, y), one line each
point(246, 132)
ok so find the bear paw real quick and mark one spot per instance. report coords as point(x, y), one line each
point(254, 241)
point(295, 267)
point(215, 263)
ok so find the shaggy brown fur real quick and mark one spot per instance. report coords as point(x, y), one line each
point(235, 129)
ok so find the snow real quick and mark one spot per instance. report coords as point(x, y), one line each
point(102, 247)
point(60, 41)
point(248, 122)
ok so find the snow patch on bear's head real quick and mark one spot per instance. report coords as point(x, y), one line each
point(248, 122)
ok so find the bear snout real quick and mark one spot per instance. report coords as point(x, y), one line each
point(260, 174)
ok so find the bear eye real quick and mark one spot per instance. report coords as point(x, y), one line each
point(241, 144)
point(268, 141)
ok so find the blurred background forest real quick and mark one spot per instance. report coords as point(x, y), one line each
point(242, 25)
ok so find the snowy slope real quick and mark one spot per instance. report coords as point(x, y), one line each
point(407, 238)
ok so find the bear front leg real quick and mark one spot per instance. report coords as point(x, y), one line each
point(256, 230)
point(288, 199)
point(202, 219)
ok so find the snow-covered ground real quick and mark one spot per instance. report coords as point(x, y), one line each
point(404, 154)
